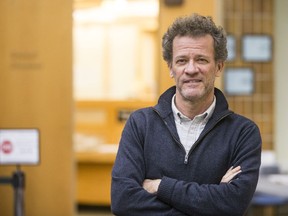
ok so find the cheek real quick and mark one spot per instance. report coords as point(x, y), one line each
point(213, 72)
point(177, 71)
point(174, 72)
point(212, 76)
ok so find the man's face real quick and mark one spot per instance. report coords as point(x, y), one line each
point(194, 67)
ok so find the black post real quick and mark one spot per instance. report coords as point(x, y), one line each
point(18, 185)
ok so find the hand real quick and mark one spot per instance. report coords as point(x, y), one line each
point(151, 186)
point(230, 174)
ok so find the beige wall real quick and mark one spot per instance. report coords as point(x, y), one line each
point(36, 92)
point(281, 78)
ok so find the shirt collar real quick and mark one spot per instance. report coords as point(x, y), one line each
point(205, 115)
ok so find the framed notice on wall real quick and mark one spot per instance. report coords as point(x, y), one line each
point(239, 81)
point(231, 47)
point(257, 48)
point(19, 146)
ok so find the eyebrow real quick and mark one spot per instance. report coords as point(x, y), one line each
point(197, 56)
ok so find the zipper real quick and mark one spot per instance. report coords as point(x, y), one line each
point(208, 131)
point(186, 158)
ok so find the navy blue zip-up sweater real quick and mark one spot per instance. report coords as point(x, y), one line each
point(150, 148)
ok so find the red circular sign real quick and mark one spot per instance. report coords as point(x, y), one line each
point(6, 147)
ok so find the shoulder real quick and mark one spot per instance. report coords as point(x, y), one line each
point(243, 120)
point(140, 116)
point(245, 126)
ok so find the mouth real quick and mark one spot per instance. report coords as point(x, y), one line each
point(192, 81)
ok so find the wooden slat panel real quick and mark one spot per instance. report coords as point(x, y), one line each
point(253, 17)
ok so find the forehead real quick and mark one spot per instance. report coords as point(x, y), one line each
point(200, 44)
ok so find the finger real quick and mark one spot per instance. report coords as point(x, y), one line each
point(232, 175)
point(234, 170)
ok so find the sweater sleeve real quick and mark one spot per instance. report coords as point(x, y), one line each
point(127, 194)
point(219, 199)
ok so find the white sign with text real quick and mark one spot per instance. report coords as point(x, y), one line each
point(19, 146)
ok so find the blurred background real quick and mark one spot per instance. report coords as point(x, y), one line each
point(75, 70)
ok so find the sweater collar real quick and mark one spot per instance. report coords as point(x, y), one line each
point(179, 116)
point(164, 107)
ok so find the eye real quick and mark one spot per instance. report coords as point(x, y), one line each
point(181, 61)
point(202, 60)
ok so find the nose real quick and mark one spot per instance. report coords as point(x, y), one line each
point(190, 67)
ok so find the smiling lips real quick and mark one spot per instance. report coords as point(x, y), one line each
point(192, 81)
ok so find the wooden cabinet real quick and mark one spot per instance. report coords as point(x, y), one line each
point(94, 175)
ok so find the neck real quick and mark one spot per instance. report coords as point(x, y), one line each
point(191, 108)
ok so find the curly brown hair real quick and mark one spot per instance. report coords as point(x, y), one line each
point(195, 26)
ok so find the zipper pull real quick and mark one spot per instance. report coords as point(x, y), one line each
point(186, 159)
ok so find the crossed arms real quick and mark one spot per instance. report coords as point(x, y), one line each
point(152, 180)
point(152, 185)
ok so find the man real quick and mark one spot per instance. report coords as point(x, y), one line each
point(177, 157)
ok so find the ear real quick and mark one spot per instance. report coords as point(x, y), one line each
point(171, 73)
point(219, 68)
